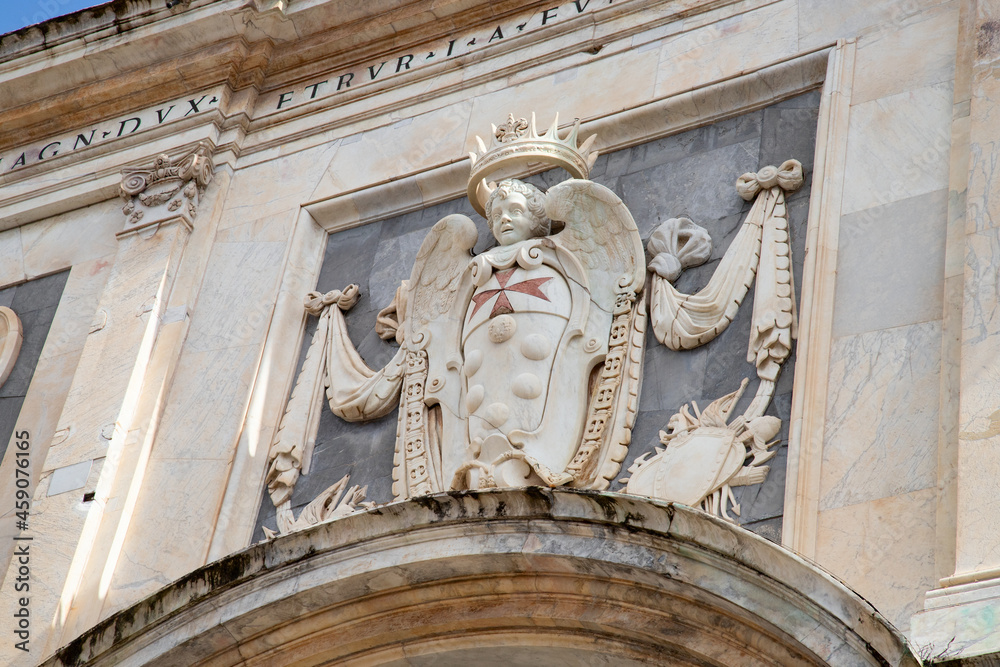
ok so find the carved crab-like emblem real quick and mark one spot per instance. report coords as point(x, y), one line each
point(704, 457)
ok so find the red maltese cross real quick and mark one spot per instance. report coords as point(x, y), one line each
point(502, 304)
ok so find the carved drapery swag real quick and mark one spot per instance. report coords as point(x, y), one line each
point(706, 454)
point(761, 248)
point(353, 390)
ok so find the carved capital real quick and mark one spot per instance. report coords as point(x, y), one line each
point(168, 191)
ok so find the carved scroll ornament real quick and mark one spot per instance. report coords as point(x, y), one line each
point(11, 337)
point(168, 190)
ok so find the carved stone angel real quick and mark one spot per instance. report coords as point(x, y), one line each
point(519, 366)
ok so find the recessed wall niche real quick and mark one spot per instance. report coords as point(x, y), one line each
point(692, 174)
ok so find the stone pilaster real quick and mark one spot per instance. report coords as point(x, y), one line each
point(961, 618)
point(110, 412)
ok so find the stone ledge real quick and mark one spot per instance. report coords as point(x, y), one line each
point(559, 574)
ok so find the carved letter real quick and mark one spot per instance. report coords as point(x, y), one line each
point(497, 34)
point(160, 116)
point(374, 72)
point(545, 15)
point(403, 65)
point(285, 97)
point(41, 153)
point(19, 161)
point(86, 141)
point(121, 126)
point(194, 105)
point(579, 9)
point(345, 80)
point(315, 87)
point(451, 46)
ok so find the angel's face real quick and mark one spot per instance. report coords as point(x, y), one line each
point(512, 223)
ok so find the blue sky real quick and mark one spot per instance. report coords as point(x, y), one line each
point(16, 14)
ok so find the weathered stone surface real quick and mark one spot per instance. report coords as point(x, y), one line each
point(602, 578)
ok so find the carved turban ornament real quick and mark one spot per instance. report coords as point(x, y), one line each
point(676, 245)
point(788, 177)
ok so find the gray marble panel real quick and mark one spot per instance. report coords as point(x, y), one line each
point(789, 133)
point(35, 303)
point(701, 187)
point(10, 408)
point(39, 293)
point(890, 265)
point(691, 174)
point(35, 327)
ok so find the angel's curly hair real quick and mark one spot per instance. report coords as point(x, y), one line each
point(536, 203)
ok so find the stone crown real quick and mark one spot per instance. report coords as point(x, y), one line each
point(516, 145)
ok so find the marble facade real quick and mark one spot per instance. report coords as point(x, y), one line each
point(159, 353)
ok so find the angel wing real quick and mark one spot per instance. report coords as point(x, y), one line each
point(601, 232)
point(430, 342)
point(438, 268)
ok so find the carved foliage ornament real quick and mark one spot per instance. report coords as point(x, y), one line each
point(522, 365)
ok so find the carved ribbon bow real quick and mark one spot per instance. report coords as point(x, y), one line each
point(317, 302)
point(788, 177)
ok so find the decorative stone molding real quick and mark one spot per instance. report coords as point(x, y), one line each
point(819, 278)
point(11, 337)
point(504, 573)
point(168, 191)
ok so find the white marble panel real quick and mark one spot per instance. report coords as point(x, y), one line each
point(882, 415)
point(74, 318)
point(977, 544)
point(898, 147)
point(917, 51)
point(890, 265)
point(980, 332)
point(276, 186)
point(884, 550)
point(392, 151)
point(71, 238)
point(983, 210)
point(170, 530)
point(620, 83)
point(822, 22)
point(957, 197)
point(234, 306)
point(11, 258)
point(948, 426)
point(728, 47)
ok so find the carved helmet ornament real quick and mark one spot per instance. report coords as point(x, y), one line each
point(522, 365)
